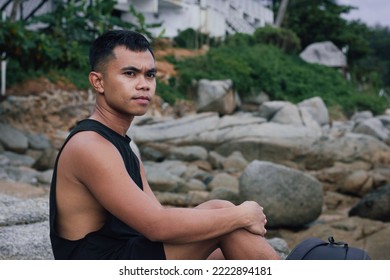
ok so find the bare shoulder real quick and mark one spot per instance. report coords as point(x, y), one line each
point(85, 150)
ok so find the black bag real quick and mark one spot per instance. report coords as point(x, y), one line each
point(316, 249)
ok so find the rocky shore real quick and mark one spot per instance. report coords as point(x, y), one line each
point(314, 176)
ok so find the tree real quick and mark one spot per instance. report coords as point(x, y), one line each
point(321, 20)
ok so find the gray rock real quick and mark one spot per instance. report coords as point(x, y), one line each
point(165, 176)
point(361, 116)
point(26, 242)
point(375, 205)
point(317, 109)
point(224, 181)
point(19, 159)
point(268, 109)
point(289, 114)
point(324, 53)
point(38, 141)
point(373, 127)
point(216, 96)
point(13, 139)
point(47, 159)
point(187, 153)
point(14, 211)
point(22, 174)
point(45, 177)
point(290, 198)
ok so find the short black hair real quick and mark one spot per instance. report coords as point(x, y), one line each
point(102, 48)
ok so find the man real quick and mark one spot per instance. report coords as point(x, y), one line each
point(101, 205)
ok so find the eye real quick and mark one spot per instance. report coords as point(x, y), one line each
point(129, 73)
point(151, 74)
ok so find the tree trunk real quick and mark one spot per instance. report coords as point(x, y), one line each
point(281, 13)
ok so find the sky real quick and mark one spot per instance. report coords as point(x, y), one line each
point(371, 12)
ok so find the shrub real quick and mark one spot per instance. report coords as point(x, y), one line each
point(282, 38)
point(284, 77)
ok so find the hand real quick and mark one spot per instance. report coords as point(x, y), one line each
point(256, 216)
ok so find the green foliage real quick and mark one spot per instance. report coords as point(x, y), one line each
point(61, 39)
point(168, 92)
point(282, 38)
point(192, 39)
point(282, 76)
point(239, 39)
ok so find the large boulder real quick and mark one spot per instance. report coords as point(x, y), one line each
point(290, 198)
point(375, 205)
point(324, 53)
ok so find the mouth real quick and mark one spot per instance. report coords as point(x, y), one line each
point(142, 97)
point(143, 100)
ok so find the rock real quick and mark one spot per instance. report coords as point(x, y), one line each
point(358, 183)
point(337, 201)
point(225, 194)
point(268, 141)
point(224, 181)
point(216, 160)
point(45, 177)
point(19, 159)
point(16, 211)
point(268, 109)
point(309, 121)
point(187, 153)
point(13, 139)
point(22, 175)
point(317, 109)
point(375, 205)
point(161, 180)
point(46, 160)
point(38, 141)
point(373, 127)
point(187, 127)
point(235, 162)
point(216, 96)
point(361, 116)
point(26, 242)
point(324, 53)
point(289, 114)
point(385, 119)
point(191, 185)
point(346, 148)
point(280, 189)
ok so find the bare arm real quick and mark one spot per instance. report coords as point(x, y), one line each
point(100, 168)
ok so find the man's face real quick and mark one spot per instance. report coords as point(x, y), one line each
point(129, 82)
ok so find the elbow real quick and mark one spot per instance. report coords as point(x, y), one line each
point(155, 233)
point(156, 229)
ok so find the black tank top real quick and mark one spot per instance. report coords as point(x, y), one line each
point(115, 238)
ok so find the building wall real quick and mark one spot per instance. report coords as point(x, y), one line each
point(214, 17)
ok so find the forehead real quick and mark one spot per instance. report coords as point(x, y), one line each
point(124, 57)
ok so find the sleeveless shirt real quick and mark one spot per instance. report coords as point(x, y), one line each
point(115, 240)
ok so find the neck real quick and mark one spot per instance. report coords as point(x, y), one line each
point(118, 123)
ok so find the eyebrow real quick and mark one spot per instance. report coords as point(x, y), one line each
point(135, 69)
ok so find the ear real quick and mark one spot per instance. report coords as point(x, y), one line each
point(96, 80)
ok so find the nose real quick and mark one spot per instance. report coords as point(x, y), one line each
point(143, 83)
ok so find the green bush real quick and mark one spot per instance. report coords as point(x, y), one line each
point(284, 77)
point(282, 38)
